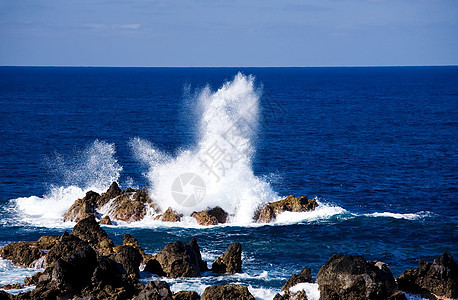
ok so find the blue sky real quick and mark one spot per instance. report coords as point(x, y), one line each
point(228, 33)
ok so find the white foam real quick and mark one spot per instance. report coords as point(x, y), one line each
point(229, 120)
point(407, 216)
point(322, 212)
point(10, 273)
point(311, 289)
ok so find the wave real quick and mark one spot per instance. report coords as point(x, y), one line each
point(407, 216)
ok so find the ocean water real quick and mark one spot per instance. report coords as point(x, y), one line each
point(376, 146)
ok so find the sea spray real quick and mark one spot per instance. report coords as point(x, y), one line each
point(94, 168)
point(217, 170)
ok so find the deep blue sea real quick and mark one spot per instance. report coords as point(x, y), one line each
point(376, 145)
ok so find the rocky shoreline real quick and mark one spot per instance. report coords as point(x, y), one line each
point(85, 264)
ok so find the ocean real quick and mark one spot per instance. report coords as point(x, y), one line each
point(376, 146)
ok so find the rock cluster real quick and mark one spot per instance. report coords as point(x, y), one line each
point(269, 211)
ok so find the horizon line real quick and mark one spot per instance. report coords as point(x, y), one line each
point(322, 66)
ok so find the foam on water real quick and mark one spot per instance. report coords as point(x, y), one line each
point(94, 169)
point(407, 216)
point(222, 157)
point(10, 273)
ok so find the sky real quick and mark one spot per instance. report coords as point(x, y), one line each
point(228, 33)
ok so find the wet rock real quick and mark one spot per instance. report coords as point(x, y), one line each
point(171, 216)
point(154, 267)
point(129, 240)
point(23, 254)
point(439, 279)
point(186, 295)
point(63, 247)
point(178, 260)
point(14, 286)
point(82, 208)
point(105, 221)
point(202, 264)
point(230, 262)
point(157, 290)
point(352, 277)
point(212, 216)
point(90, 231)
point(304, 276)
point(301, 295)
point(130, 258)
point(126, 209)
point(5, 296)
point(227, 292)
point(269, 211)
point(112, 192)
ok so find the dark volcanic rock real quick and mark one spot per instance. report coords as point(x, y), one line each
point(301, 295)
point(129, 240)
point(227, 292)
point(82, 208)
point(5, 296)
point(291, 203)
point(130, 258)
point(304, 276)
point(171, 216)
point(154, 267)
point(439, 279)
point(202, 264)
point(186, 295)
point(230, 261)
point(22, 254)
point(63, 247)
point(352, 277)
point(155, 290)
point(212, 216)
point(112, 192)
point(90, 231)
point(178, 260)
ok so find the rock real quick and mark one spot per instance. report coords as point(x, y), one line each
point(126, 208)
point(14, 286)
point(230, 262)
point(105, 221)
point(129, 240)
point(112, 192)
point(291, 203)
point(156, 290)
point(301, 295)
point(90, 231)
point(82, 208)
point(45, 242)
point(106, 272)
point(186, 295)
point(5, 296)
point(212, 216)
point(178, 260)
point(130, 258)
point(171, 216)
point(63, 247)
point(439, 279)
point(304, 276)
point(352, 277)
point(398, 295)
point(227, 292)
point(202, 264)
point(154, 267)
point(22, 254)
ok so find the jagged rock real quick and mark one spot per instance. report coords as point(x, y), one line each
point(126, 208)
point(202, 264)
point(63, 247)
point(304, 276)
point(130, 258)
point(439, 279)
point(230, 261)
point(227, 292)
point(301, 295)
point(129, 240)
point(106, 272)
point(352, 277)
point(178, 260)
point(154, 267)
point(82, 208)
point(23, 254)
point(212, 216)
point(186, 295)
point(16, 286)
point(112, 192)
point(171, 216)
point(105, 221)
point(90, 231)
point(5, 296)
point(45, 242)
point(291, 203)
point(157, 290)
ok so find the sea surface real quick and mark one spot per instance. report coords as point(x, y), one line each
point(376, 146)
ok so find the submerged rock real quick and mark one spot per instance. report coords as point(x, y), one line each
point(178, 260)
point(227, 292)
point(439, 279)
point(83, 208)
point(171, 216)
point(230, 262)
point(212, 216)
point(352, 277)
point(269, 211)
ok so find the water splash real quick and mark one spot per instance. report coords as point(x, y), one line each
point(221, 157)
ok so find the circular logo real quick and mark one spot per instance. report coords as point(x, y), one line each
point(188, 189)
